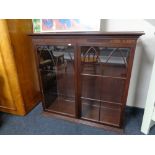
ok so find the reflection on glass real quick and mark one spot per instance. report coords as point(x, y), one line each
point(56, 65)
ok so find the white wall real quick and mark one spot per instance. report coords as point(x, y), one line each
point(144, 56)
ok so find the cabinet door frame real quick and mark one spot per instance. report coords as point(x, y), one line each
point(100, 42)
point(56, 41)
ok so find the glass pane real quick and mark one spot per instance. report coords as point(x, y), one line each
point(103, 75)
point(112, 89)
point(90, 87)
point(106, 61)
point(90, 60)
point(90, 109)
point(114, 61)
point(57, 75)
point(110, 113)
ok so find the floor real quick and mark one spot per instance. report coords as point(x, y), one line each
point(35, 123)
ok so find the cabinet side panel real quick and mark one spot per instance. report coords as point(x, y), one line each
point(5, 94)
point(9, 78)
point(25, 61)
point(132, 53)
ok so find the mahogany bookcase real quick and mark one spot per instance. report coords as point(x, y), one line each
point(85, 76)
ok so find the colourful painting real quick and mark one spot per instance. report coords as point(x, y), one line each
point(59, 25)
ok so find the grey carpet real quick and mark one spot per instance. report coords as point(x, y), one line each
point(35, 123)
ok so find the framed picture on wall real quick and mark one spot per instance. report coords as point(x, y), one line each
point(62, 25)
point(36, 25)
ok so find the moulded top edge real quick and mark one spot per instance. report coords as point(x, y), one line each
point(90, 33)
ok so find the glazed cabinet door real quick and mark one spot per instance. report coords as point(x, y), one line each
point(103, 74)
point(57, 72)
